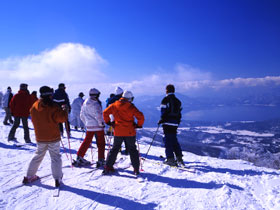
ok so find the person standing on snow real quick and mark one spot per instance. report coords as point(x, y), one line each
point(5, 104)
point(46, 115)
point(124, 113)
point(117, 96)
point(61, 98)
point(20, 105)
point(91, 115)
point(76, 106)
point(170, 120)
point(111, 100)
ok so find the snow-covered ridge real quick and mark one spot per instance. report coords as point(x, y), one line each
point(216, 130)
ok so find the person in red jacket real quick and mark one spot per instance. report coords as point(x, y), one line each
point(20, 105)
point(124, 125)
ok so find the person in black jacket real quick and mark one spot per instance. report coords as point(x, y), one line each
point(170, 120)
point(61, 98)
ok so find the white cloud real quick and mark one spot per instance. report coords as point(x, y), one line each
point(67, 62)
point(80, 67)
point(182, 76)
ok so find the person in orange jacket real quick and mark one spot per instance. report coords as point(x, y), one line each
point(124, 112)
point(46, 115)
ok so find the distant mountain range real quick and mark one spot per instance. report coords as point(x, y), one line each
point(223, 105)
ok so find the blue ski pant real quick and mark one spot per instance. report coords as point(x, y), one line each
point(171, 143)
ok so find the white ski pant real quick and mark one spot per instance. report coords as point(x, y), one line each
point(56, 163)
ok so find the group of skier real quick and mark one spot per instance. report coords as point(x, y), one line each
point(52, 109)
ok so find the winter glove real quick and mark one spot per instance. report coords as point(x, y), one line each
point(137, 126)
point(65, 107)
point(160, 122)
point(111, 123)
point(102, 125)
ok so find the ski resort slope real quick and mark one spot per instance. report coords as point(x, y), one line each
point(208, 183)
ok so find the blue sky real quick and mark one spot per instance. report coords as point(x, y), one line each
point(135, 43)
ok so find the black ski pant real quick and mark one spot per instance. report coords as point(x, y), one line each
point(24, 121)
point(130, 142)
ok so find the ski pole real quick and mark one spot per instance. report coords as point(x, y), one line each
point(151, 143)
point(64, 149)
point(91, 152)
point(141, 165)
point(81, 139)
point(109, 140)
point(68, 137)
point(109, 145)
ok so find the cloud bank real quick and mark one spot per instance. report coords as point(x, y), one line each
point(81, 68)
point(67, 62)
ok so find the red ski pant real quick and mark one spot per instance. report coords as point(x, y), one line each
point(100, 141)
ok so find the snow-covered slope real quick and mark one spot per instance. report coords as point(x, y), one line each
point(209, 183)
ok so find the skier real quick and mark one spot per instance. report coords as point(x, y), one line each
point(116, 97)
point(170, 120)
point(20, 105)
point(5, 104)
point(91, 115)
point(76, 106)
point(109, 99)
point(46, 115)
point(61, 98)
point(110, 129)
point(124, 112)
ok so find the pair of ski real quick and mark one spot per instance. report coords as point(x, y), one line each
point(178, 167)
point(15, 143)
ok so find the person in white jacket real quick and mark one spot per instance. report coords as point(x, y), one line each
point(76, 106)
point(5, 104)
point(91, 115)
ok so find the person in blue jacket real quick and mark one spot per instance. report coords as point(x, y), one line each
point(170, 120)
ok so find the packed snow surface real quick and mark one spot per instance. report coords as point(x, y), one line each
point(208, 183)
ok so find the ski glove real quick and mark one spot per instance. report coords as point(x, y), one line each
point(102, 125)
point(160, 122)
point(111, 123)
point(138, 126)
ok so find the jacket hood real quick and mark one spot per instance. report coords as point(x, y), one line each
point(39, 105)
point(23, 92)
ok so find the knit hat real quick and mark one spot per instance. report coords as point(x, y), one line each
point(23, 86)
point(81, 94)
point(9, 88)
point(93, 91)
point(46, 91)
point(127, 94)
point(118, 91)
point(170, 88)
point(61, 85)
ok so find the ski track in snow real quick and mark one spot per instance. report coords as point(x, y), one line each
point(210, 184)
